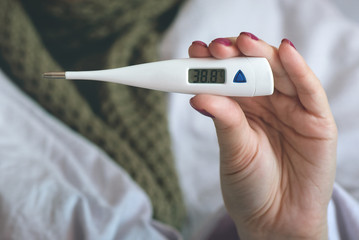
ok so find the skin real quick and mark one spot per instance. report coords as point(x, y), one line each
point(278, 152)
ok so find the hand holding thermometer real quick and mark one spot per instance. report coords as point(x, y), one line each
point(239, 76)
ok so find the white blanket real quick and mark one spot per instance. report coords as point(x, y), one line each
point(56, 185)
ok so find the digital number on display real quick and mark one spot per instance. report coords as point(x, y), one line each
point(206, 76)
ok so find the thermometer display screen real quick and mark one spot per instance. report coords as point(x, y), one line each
point(206, 75)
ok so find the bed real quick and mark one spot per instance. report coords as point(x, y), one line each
point(57, 197)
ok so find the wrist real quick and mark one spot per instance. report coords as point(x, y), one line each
point(315, 232)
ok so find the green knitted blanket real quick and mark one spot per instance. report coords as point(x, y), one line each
point(128, 123)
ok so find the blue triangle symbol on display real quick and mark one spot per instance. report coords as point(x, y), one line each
point(239, 78)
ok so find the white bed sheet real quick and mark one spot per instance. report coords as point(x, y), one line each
point(54, 184)
point(57, 181)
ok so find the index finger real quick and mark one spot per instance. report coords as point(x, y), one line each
point(219, 48)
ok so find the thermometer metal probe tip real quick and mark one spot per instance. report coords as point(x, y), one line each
point(54, 75)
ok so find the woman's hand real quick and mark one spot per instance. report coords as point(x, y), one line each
point(277, 152)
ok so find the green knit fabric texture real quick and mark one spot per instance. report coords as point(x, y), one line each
point(130, 124)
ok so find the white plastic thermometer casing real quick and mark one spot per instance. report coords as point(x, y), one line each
point(239, 76)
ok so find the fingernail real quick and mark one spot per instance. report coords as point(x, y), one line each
point(199, 43)
point(285, 40)
point(223, 41)
point(205, 113)
point(201, 111)
point(252, 36)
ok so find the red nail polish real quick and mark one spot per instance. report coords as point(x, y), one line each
point(199, 43)
point(223, 41)
point(201, 111)
point(252, 36)
point(205, 113)
point(285, 40)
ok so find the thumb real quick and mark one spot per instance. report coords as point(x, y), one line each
point(235, 136)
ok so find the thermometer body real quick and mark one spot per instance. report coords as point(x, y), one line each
point(229, 77)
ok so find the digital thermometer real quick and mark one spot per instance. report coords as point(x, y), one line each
point(239, 76)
